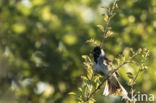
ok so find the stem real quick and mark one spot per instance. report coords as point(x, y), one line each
point(105, 31)
point(110, 15)
point(133, 82)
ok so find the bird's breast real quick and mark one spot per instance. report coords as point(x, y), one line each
point(101, 68)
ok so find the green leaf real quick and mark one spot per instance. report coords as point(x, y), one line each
point(84, 78)
point(91, 100)
point(96, 78)
point(90, 73)
point(97, 84)
point(129, 73)
point(84, 56)
point(90, 40)
point(105, 17)
point(145, 67)
point(123, 58)
point(130, 76)
point(72, 93)
point(109, 33)
point(80, 89)
point(117, 60)
point(139, 50)
point(116, 6)
point(89, 87)
point(132, 51)
point(101, 27)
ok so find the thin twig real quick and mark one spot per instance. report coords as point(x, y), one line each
point(105, 31)
point(133, 82)
point(110, 15)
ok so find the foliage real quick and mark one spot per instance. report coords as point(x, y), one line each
point(41, 43)
point(90, 83)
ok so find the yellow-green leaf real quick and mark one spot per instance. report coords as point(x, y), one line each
point(80, 89)
point(84, 56)
point(118, 61)
point(90, 73)
point(84, 78)
point(130, 76)
point(139, 50)
point(109, 33)
point(100, 27)
point(116, 6)
point(92, 41)
point(71, 93)
point(129, 73)
point(106, 17)
point(91, 100)
point(123, 58)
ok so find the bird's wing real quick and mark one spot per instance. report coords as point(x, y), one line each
point(103, 63)
point(117, 74)
point(107, 60)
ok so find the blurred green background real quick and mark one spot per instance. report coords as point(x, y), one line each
point(41, 43)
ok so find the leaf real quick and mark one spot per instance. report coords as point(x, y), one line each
point(72, 93)
point(96, 78)
point(97, 84)
point(117, 60)
point(88, 59)
point(91, 100)
point(84, 56)
point(139, 50)
point(90, 73)
point(129, 73)
point(92, 41)
point(105, 17)
point(116, 6)
point(84, 78)
point(130, 76)
point(87, 65)
point(80, 89)
point(101, 27)
point(89, 87)
point(132, 51)
point(109, 33)
point(123, 58)
point(145, 67)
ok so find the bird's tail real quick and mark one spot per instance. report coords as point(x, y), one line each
point(113, 87)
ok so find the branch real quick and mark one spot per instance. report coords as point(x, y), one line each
point(110, 74)
point(110, 15)
point(133, 82)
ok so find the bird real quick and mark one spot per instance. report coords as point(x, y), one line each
point(100, 66)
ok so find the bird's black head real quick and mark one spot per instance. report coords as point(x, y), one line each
point(96, 53)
